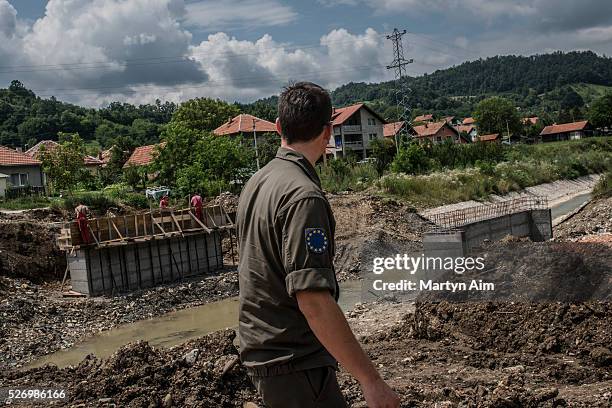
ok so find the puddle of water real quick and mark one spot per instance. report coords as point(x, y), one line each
point(171, 329)
point(568, 206)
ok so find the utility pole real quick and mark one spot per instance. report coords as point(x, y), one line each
point(399, 66)
point(255, 139)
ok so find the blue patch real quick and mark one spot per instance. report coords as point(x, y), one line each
point(316, 240)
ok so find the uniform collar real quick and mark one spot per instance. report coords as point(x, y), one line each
point(299, 159)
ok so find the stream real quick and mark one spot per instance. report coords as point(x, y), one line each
point(180, 326)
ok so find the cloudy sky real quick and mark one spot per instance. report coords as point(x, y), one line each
point(92, 52)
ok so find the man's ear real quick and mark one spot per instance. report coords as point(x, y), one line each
point(278, 127)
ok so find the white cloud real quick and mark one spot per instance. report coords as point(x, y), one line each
point(8, 19)
point(215, 15)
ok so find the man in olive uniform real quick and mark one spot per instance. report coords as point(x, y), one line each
point(292, 332)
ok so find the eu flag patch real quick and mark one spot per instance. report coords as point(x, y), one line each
point(316, 240)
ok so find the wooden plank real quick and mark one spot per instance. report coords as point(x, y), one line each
point(116, 229)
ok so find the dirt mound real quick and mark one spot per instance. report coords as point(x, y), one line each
point(535, 271)
point(369, 226)
point(199, 373)
point(227, 200)
point(28, 250)
point(577, 329)
point(595, 218)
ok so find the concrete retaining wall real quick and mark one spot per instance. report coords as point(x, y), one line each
point(124, 268)
point(535, 224)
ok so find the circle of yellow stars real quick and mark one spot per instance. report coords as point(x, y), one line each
point(312, 235)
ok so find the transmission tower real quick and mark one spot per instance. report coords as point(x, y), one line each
point(401, 87)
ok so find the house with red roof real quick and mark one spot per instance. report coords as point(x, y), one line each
point(437, 132)
point(469, 121)
point(566, 131)
point(470, 130)
point(91, 163)
point(424, 118)
point(492, 138)
point(354, 128)
point(244, 125)
point(392, 129)
point(143, 155)
point(21, 168)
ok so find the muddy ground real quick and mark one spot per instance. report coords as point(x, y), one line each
point(435, 354)
point(36, 320)
point(439, 355)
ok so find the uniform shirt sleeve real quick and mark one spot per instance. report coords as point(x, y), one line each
point(308, 246)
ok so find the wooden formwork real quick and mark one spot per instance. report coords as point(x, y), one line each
point(136, 251)
point(143, 226)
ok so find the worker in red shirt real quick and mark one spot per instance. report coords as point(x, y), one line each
point(164, 203)
point(196, 203)
point(81, 213)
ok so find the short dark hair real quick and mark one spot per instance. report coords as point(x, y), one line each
point(304, 109)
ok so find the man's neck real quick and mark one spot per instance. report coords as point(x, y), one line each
point(309, 151)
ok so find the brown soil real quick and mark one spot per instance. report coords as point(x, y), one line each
point(368, 226)
point(594, 219)
point(28, 250)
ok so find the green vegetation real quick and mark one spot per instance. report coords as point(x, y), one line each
point(347, 175)
point(64, 164)
point(497, 115)
point(26, 203)
point(603, 188)
point(473, 172)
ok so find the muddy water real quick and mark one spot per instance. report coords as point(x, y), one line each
point(171, 329)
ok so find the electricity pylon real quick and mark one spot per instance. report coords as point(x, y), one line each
point(401, 88)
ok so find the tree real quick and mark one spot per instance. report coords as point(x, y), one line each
point(411, 159)
point(497, 115)
point(64, 164)
point(383, 150)
point(600, 113)
point(217, 164)
point(267, 146)
point(204, 114)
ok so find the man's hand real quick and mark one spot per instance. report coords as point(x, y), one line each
point(331, 328)
point(379, 395)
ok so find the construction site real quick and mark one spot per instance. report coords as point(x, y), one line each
point(144, 315)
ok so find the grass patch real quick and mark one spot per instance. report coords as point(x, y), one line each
point(603, 188)
point(340, 175)
point(26, 203)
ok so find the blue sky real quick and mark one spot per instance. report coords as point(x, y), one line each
point(95, 51)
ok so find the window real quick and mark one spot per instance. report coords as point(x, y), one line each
point(372, 136)
point(371, 121)
point(19, 179)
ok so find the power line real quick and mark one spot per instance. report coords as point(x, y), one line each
point(185, 58)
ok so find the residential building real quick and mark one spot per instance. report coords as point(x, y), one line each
point(452, 120)
point(566, 131)
point(469, 121)
point(424, 118)
point(143, 155)
point(354, 128)
point(91, 163)
point(392, 129)
point(470, 130)
point(22, 169)
point(492, 138)
point(437, 132)
point(245, 125)
point(534, 120)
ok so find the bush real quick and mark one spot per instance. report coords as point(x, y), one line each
point(603, 188)
point(340, 175)
point(135, 200)
point(97, 202)
point(26, 203)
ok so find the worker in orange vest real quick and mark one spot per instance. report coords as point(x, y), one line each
point(81, 213)
point(196, 203)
